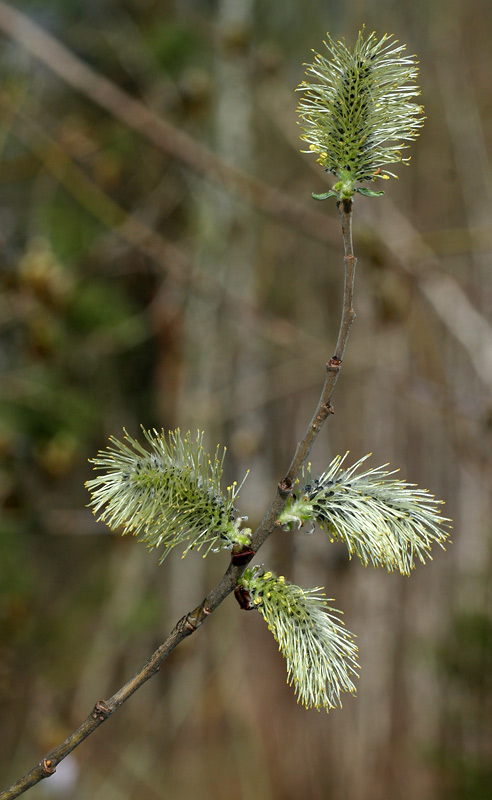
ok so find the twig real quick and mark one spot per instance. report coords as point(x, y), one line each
point(324, 407)
point(191, 621)
point(333, 366)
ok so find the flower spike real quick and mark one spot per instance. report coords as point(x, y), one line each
point(359, 114)
point(320, 653)
point(382, 520)
point(167, 495)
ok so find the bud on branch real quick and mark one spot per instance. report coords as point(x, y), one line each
point(359, 114)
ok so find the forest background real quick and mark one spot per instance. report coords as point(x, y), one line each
point(144, 282)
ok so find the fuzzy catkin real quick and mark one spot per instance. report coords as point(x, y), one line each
point(360, 113)
point(319, 651)
point(382, 520)
point(168, 495)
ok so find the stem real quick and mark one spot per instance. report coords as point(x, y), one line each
point(191, 621)
point(333, 366)
point(350, 263)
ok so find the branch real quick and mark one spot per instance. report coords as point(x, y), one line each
point(341, 116)
point(333, 366)
point(191, 621)
point(138, 117)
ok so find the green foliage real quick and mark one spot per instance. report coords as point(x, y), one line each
point(382, 520)
point(466, 654)
point(98, 305)
point(464, 664)
point(467, 777)
point(173, 45)
point(360, 113)
point(72, 230)
point(320, 653)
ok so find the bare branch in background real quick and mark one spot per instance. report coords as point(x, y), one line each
point(141, 119)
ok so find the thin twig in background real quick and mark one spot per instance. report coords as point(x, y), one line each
point(140, 118)
point(172, 259)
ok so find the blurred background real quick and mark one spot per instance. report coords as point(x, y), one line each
point(162, 263)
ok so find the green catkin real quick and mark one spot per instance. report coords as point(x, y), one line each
point(168, 495)
point(319, 651)
point(360, 114)
point(382, 520)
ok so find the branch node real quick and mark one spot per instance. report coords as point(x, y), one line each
point(193, 620)
point(345, 205)
point(334, 364)
point(330, 409)
point(189, 625)
point(47, 766)
point(285, 487)
point(101, 711)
